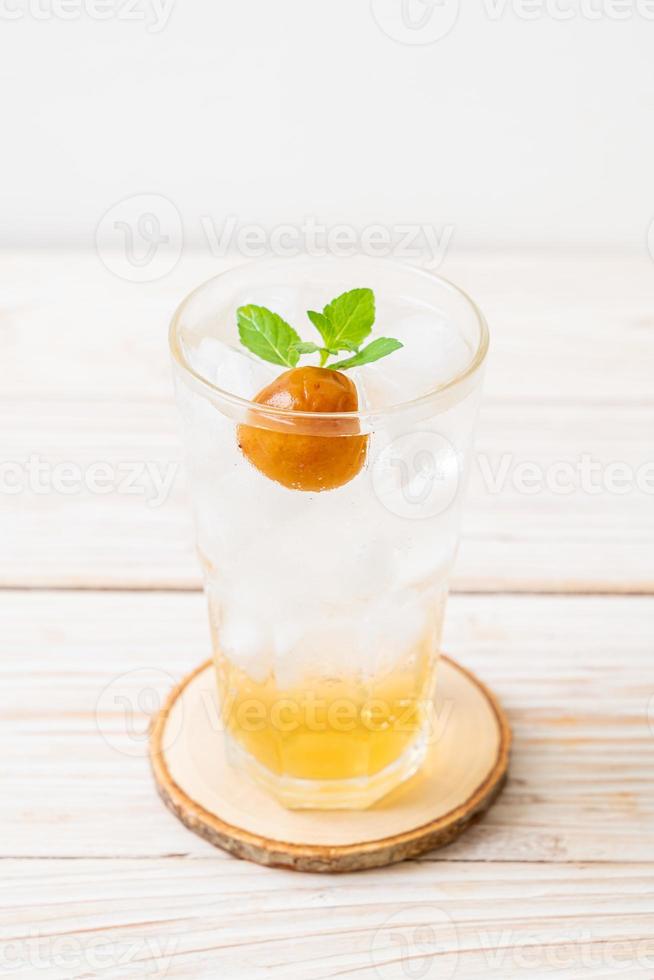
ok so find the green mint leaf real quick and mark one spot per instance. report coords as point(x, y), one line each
point(267, 335)
point(350, 317)
point(306, 347)
point(343, 325)
point(342, 345)
point(321, 323)
point(378, 348)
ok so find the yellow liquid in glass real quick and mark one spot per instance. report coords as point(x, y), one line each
point(327, 728)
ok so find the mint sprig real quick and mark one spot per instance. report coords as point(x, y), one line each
point(267, 335)
point(349, 317)
point(381, 347)
point(343, 326)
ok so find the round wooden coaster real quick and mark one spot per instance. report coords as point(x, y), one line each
point(464, 771)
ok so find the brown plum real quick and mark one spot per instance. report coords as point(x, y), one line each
point(304, 461)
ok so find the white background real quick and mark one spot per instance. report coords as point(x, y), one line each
point(507, 129)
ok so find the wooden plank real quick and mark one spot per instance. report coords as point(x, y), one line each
point(215, 916)
point(85, 380)
point(578, 530)
point(98, 878)
point(86, 669)
point(92, 539)
point(140, 534)
point(559, 319)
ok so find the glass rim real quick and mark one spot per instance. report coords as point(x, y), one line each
point(476, 360)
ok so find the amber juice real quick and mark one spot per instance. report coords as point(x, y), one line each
point(342, 728)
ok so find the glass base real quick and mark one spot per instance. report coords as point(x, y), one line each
point(330, 794)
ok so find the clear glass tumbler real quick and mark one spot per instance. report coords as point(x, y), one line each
point(326, 607)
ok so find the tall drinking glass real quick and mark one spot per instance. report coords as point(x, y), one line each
point(326, 607)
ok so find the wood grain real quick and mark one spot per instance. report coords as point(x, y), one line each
point(553, 393)
point(463, 773)
point(86, 670)
point(96, 875)
point(97, 879)
point(212, 916)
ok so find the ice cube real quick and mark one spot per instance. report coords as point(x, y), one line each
point(434, 351)
point(235, 371)
point(283, 300)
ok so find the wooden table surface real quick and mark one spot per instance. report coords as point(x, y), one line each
point(552, 605)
